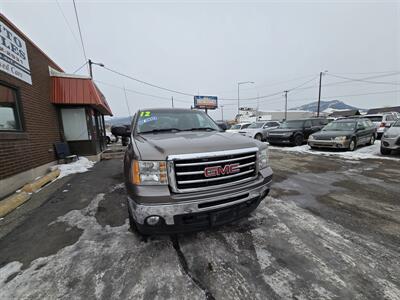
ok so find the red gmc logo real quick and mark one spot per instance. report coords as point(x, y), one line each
point(218, 170)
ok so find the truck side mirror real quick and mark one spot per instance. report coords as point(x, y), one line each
point(223, 126)
point(121, 130)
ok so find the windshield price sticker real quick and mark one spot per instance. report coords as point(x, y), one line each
point(145, 114)
point(147, 120)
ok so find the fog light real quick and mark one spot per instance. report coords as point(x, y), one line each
point(153, 220)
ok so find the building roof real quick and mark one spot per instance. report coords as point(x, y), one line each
point(75, 90)
point(383, 110)
point(345, 113)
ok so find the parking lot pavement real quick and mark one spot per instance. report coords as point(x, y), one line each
point(329, 229)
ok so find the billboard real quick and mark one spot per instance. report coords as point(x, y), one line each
point(206, 102)
point(13, 54)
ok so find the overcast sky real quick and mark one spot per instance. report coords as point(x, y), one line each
point(206, 47)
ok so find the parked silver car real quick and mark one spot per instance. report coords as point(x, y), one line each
point(237, 127)
point(259, 130)
point(381, 121)
point(391, 139)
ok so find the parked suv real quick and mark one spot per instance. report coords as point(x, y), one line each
point(345, 133)
point(391, 139)
point(381, 121)
point(183, 173)
point(259, 130)
point(295, 132)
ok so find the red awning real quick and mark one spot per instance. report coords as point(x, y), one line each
point(78, 91)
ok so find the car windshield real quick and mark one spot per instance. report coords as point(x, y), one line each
point(374, 118)
point(256, 125)
point(340, 126)
point(174, 120)
point(292, 124)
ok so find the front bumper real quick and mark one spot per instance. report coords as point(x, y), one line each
point(280, 139)
point(329, 144)
point(391, 143)
point(197, 213)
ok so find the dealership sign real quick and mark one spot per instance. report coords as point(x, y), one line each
point(206, 102)
point(13, 54)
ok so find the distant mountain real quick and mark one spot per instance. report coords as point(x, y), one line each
point(118, 121)
point(327, 106)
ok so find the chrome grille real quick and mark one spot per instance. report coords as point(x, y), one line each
point(187, 172)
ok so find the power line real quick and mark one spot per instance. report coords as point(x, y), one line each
point(77, 70)
point(80, 31)
point(148, 83)
point(68, 24)
point(141, 93)
point(361, 80)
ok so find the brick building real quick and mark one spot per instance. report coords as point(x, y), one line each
point(39, 106)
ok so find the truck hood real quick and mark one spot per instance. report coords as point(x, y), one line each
point(158, 146)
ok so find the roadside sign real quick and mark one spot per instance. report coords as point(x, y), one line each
point(206, 102)
point(13, 54)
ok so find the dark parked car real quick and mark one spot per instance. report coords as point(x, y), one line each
point(344, 134)
point(295, 132)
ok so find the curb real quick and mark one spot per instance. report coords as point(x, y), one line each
point(33, 187)
point(12, 202)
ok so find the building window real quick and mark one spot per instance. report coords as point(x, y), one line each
point(74, 124)
point(9, 116)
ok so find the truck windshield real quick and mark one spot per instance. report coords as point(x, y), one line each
point(340, 126)
point(292, 124)
point(174, 120)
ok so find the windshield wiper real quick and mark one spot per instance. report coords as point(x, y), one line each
point(200, 129)
point(161, 130)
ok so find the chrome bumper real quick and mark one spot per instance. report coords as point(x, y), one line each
point(167, 211)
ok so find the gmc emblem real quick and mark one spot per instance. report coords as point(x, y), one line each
point(218, 170)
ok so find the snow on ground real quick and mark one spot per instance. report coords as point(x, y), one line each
point(80, 166)
point(363, 152)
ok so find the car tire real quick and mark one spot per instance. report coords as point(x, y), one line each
point(298, 140)
point(353, 144)
point(372, 140)
point(108, 140)
point(385, 151)
point(258, 137)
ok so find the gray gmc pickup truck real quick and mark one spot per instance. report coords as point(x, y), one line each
point(183, 173)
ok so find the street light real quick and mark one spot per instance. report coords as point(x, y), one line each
point(90, 67)
point(239, 84)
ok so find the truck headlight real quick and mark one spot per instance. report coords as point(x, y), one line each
point(149, 172)
point(262, 159)
point(340, 138)
point(311, 137)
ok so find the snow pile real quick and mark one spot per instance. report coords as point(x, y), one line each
point(364, 152)
point(80, 166)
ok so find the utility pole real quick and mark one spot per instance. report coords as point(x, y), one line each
point(90, 63)
point(90, 69)
point(222, 112)
point(286, 92)
point(319, 92)
point(172, 99)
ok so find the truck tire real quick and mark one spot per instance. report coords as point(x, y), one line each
point(298, 140)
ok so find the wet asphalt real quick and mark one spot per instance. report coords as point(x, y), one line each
point(330, 229)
